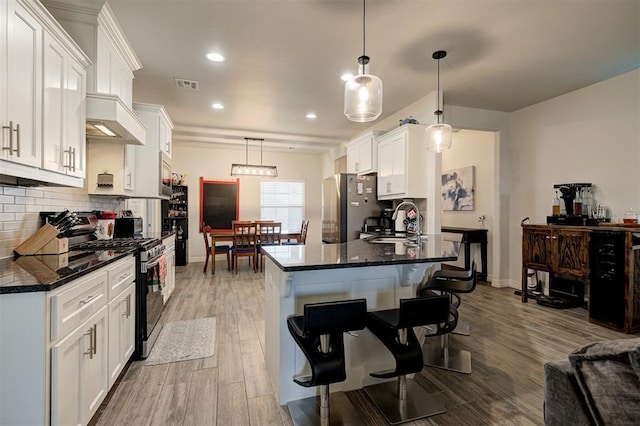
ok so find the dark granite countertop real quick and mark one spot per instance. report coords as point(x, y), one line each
point(362, 253)
point(46, 272)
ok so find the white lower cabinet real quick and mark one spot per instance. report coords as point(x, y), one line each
point(122, 323)
point(122, 318)
point(80, 337)
point(79, 372)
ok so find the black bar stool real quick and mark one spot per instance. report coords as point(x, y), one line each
point(319, 334)
point(405, 400)
point(450, 283)
point(463, 328)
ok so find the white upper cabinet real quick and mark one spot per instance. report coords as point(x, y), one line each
point(110, 77)
point(153, 160)
point(21, 85)
point(362, 154)
point(402, 163)
point(64, 110)
point(42, 97)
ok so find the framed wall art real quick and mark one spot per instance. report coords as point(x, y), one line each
point(458, 189)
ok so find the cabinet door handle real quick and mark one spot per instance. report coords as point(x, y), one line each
point(127, 301)
point(554, 238)
point(547, 238)
point(357, 166)
point(18, 139)
point(95, 339)
point(73, 161)
point(88, 299)
point(11, 130)
point(67, 162)
point(90, 334)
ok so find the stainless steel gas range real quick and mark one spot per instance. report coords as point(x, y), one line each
point(149, 257)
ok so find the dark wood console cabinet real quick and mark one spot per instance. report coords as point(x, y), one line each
point(575, 253)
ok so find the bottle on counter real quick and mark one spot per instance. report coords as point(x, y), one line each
point(577, 204)
point(555, 205)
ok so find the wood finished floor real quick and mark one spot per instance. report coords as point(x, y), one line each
point(509, 341)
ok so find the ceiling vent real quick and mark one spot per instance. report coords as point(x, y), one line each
point(181, 83)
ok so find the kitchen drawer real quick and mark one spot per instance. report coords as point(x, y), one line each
point(121, 274)
point(76, 302)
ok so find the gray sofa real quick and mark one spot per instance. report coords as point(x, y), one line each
point(599, 384)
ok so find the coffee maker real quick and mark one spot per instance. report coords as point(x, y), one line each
point(386, 222)
point(577, 204)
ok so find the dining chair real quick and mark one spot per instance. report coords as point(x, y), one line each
point(269, 234)
point(244, 243)
point(303, 235)
point(212, 251)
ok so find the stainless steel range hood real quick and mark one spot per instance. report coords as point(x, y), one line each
point(110, 119)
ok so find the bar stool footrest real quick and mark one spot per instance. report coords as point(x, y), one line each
point(418, 402)
point(385, 374)
point(458, 360)
point(304, 381)
point(306, 412)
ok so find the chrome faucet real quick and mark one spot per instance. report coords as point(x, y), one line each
point(418, 224)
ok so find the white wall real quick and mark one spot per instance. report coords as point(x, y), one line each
point(474, 148)
point(213, 162)
point(589, 135)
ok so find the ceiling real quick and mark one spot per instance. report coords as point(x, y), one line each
point(284, 58)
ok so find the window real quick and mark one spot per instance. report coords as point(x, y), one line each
point(282, 202)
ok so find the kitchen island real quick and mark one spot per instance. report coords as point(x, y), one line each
point(382, 273)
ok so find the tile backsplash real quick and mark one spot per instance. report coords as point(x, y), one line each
point(20, 208)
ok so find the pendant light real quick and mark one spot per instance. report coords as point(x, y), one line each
point(363, 93)
point(247, 169)
point(439, 135)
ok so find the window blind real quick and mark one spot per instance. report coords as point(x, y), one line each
point(282, 202)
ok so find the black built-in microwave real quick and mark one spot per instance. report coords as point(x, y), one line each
point(128, 227)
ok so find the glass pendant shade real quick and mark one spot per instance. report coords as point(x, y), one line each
point(363, 98)
point(439, 137)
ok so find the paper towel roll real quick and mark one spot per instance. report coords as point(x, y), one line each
point(400, 226)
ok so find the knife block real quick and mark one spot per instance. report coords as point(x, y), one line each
point(44, 241)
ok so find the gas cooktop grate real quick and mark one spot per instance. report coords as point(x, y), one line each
point(116, 243)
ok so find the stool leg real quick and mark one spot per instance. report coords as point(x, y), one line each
point(324, 404)
point(316, 410)
point(324, 389)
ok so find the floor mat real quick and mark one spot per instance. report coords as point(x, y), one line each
point(183, 341)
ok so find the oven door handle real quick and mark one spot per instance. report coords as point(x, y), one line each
point(151, 263)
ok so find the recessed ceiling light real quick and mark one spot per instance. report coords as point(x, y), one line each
point(217, 106)
point(215, 57)
point(346, 77)
point(311, 115)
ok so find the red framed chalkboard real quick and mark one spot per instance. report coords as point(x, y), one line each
point(219, 202)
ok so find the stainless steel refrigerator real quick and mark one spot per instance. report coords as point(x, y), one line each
point(347, 201)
